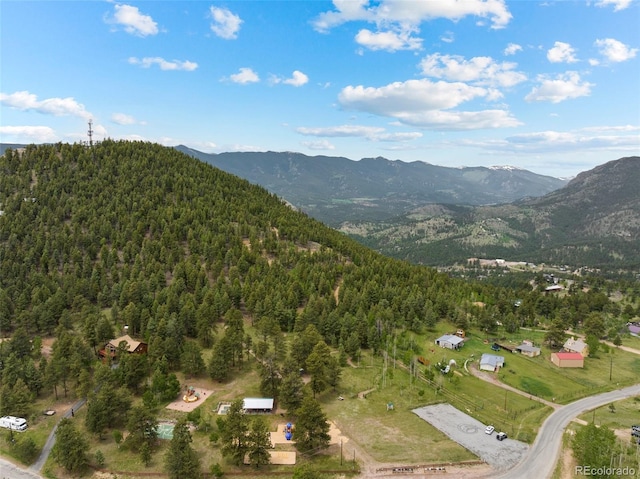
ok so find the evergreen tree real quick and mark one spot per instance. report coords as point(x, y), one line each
point(259, 443)
point(234, 432)
point(181, 460)
point(70, 449)
point(312, 427)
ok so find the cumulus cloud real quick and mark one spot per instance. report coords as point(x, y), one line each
point(166, 65)
point(614, 50)
point(410, 13)
point(225, 24)
point(617, 4)
point(561, 53)
point(512, 49)
point(423, 103)
point(133, 21)
point(388, 40)
point(25, 101)
point(245, 75)
point(565, 86)
point(297, 79)
point(479, 70)
point(31, 134)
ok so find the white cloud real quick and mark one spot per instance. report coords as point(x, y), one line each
point(319, 145)
point(512, 49)
point(165, 65)
point(373, 133)
point(617, 4)
point(225, 24)
point(25, 101)
point(411, 13)
point(133, 21)
point(297, 79)
point(31, 134)
point(388, 40)
point(123, 119)
point(614, 50)
point(582, 139)
point(561, 53)
point(480, 70)
point(421, 103)
point(246, 75)
point(564, 87)
point(448, 37)
point(342, 131)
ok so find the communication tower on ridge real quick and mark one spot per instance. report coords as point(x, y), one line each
point(90, 133)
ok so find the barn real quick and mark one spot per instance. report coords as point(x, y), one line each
point(567, 360)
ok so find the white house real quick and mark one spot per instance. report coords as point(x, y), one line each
point(491, 362)
point(450, 341)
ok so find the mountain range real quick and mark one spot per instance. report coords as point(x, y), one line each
point(594, 220)
point(337, 189)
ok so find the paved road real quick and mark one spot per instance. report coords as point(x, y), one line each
point(8, 470)
point(543, 455)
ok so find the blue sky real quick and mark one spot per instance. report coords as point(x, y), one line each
point(553, 87)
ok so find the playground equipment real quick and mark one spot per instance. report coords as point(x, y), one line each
point(191, 395)
point(288, 431)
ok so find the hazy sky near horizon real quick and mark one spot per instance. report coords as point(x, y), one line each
point(549, 86)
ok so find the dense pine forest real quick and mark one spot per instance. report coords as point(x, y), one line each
point(189, 257)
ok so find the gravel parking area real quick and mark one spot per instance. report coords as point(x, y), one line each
point(469, 433)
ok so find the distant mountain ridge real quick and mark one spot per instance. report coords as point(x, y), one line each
point(337, 189)
point(594, 220)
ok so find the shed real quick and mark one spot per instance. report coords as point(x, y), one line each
point(257, 405)
point(634, 329)
point(567, 360)
point(491, 362)
point(528, 350)
point(450, 341)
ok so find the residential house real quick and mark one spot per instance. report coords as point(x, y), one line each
point(132, 346)
point(491, 362)
point(567, 360)
point(574, 345)
point(634, 329)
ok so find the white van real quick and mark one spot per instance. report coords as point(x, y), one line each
point(13, 423)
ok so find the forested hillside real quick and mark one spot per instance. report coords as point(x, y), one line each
point(140, 235)
point(193, 259)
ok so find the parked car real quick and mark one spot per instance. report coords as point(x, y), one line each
point(489, 430)
point(635, 428)
point(501, 436)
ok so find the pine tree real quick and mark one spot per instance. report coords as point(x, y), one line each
point(70, 449)
point(259, 443)
point(181, 460)
point(312, 427)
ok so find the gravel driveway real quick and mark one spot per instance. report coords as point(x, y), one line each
point(469, 433)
